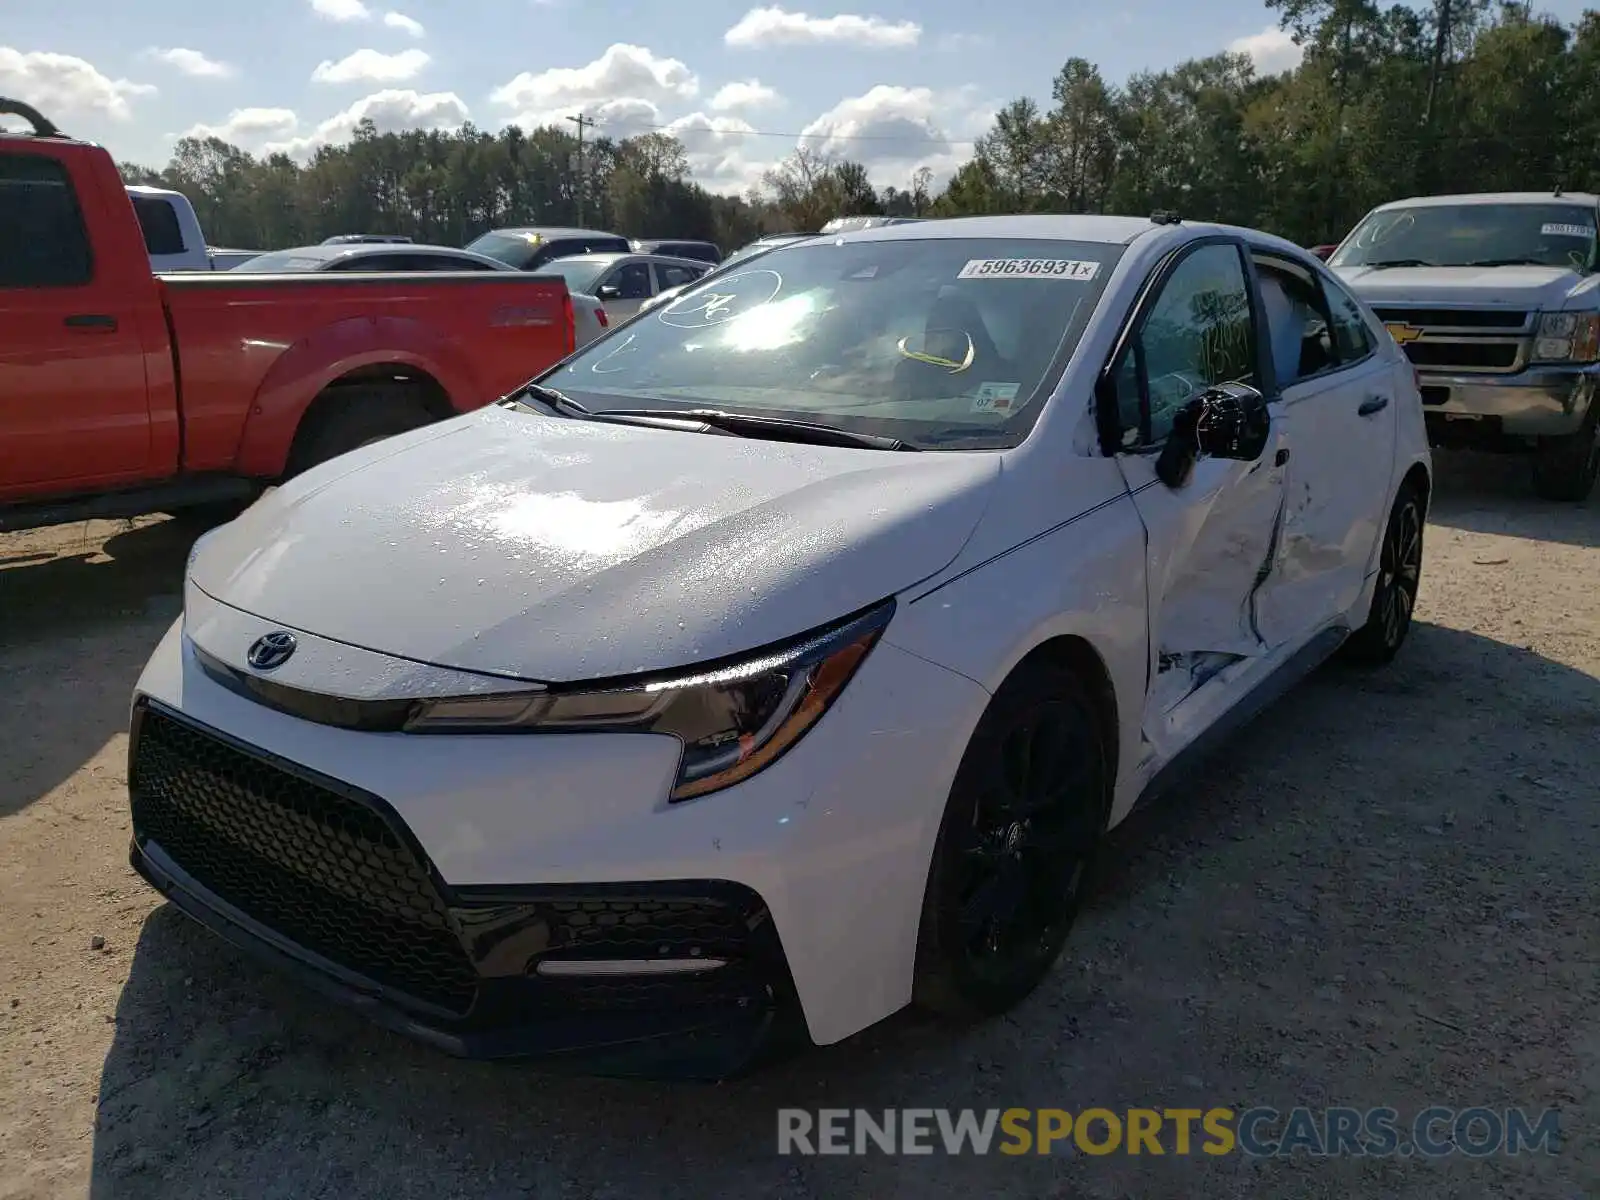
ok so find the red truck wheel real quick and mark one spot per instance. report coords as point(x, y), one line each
point(356, 416)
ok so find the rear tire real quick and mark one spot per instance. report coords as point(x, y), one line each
point(1394, 596)
point(356, 416)
point(1025, 816)
point(1565, 468)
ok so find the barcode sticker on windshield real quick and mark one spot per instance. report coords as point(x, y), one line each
point(1029, 268)
point(1556, 229)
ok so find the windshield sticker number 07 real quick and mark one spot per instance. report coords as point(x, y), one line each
point(1029, 268)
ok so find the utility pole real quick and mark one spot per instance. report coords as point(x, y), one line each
point(581, 122)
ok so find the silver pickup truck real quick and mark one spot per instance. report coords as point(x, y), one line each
point(1495, 298)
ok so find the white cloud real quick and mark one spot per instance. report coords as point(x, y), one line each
point(391, 111)
point(744, 95)
point(63, 84)
point(623, 89)
point(249, 127)
point(774, 26)
point(715, 148)
point(191, 62)
point(894, 131)
point(341, 10)
point(1272, 50)
point(405, 24)
point(280, 131)
point(372, 66)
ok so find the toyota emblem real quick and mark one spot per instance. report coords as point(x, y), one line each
point(271, 651)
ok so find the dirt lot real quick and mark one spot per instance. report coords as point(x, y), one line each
point(1387, 896)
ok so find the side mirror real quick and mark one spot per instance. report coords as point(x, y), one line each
point(608, 291)
point(1228, 420)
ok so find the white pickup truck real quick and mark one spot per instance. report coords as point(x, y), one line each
point(1495, 298)
point(173, 236)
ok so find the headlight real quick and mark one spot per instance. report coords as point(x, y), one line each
point(1568, 337)
point(734, 718)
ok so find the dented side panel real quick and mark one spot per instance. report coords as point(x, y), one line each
point(1337, 486)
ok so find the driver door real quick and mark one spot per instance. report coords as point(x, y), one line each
point(625, 289)
point(1212, 542)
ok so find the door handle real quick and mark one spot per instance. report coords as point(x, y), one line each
point(92, 321)
point(1372, 404)
point(1281, 457)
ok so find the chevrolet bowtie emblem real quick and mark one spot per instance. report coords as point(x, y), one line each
point(1402, 333)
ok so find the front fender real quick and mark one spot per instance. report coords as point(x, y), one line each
point(1083, 577)
point(329, 354)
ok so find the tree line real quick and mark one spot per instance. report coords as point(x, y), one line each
point(1387, 102)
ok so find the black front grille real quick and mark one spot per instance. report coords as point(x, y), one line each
point(1463, 356)
point(316, 866)
point(1456, 318)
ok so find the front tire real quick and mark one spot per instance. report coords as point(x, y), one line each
point(1394, 597)
point(1025, 816)
point(1565, 468)
point(354, 416)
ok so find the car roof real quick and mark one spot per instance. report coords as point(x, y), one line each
point(551, 232)
point(1476, 198)
point(605, 257)
point(346, 250)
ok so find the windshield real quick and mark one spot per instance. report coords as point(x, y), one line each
point(284, 260)
point(945, 343)
point(580, 274)
point(1460, 235)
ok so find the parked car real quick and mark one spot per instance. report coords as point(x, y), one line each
point(1493, 297)
point(279, 372)
point(529, 249)
point(624, 282)
point(708, 252)
point(223, 259)
point(741, 257)
point(172, 233)
point(369, 256)
point(701, 712)
point(354, 239)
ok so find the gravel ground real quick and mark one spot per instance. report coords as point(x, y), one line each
point(1385, 894)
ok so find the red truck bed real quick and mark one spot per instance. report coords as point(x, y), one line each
point(124, 392)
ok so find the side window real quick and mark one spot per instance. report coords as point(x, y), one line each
point(1295, 323)
point(43, 242)
point(159, 220)
point(1351, 333)
point(633, 279)
point(1198, 332)
point(370, 262)
point(670, 276)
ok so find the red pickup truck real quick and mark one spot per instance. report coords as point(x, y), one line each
point(124, 392)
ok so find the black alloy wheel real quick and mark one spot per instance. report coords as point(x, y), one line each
point(1013, 855)
point(1394, 597)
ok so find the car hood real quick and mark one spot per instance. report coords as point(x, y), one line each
point(1548, 288)
point(554, 549)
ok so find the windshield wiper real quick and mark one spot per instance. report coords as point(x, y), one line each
point(752, 426)
point(559, 401)
point(1507, 262)
point(1399, 262)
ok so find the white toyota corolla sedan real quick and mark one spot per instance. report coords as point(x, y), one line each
point(779, 659)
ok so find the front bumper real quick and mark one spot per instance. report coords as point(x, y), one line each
point(326, 887)
point(820, 860)
point(1539, 402)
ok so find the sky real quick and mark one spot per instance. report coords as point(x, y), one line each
point(894, 84)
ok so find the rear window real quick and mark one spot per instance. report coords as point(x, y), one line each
point(947, 343)
point(159, 220)
point(43, 242)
